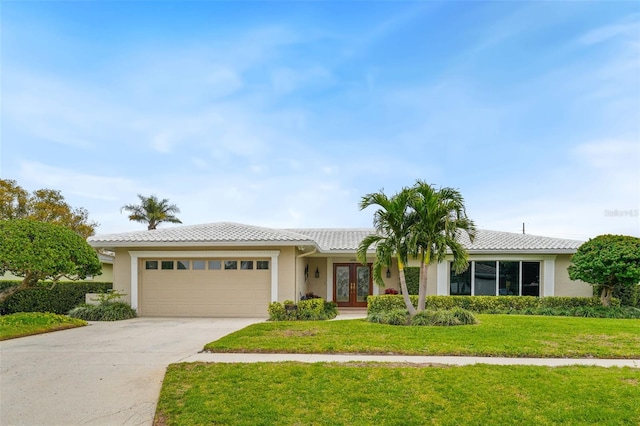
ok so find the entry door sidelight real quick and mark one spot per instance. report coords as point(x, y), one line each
point(352, 284)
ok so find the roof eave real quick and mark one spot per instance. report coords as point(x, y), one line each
point(133, 244)
point(522, 251)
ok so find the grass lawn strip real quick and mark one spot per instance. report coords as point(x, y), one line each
point(496, 335)
point(399, 394)
point(29, 323)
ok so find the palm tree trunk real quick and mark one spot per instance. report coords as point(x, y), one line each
point(403, 287)
point(422, 287)
point(422, 280)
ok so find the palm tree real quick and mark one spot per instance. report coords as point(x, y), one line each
point(391, 238)
point(152, 211)
point(437, 219)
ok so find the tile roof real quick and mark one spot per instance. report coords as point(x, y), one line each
point(336, 239)
point(223, 233)
point(496, 241)
point(327, 240)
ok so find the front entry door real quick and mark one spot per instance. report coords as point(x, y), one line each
point(352, 284)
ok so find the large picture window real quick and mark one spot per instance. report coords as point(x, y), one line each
point(496, 278)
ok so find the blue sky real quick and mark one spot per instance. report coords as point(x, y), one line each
point(284, 114)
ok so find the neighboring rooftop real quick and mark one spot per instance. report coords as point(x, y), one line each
point(326, 240)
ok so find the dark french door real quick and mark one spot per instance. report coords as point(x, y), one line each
point(352, 284)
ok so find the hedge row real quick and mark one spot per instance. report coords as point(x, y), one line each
point(60, 299)
point(484, 304)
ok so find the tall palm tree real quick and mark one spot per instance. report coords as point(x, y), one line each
point(436, 220)
point(152, 211)
point(391, 237)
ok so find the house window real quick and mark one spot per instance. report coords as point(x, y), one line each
point(182, 264)
point(262, 264)
point(198, 265)
point(230, 264)
point(531, 278)
point(246, 264)
point(151, 264)
point(484, 279)
point(509, 281)
point(166, 264)
point(492, 278)
point(460, 284)
point(215, 265)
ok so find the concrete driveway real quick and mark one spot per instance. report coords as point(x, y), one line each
point(108, 373)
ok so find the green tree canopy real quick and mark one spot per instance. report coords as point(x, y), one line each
point(152, 211)
point(39, 251)
point(420, 221)
point(608, 260)
point(45, 205)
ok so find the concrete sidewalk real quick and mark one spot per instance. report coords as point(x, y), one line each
point(439, 360)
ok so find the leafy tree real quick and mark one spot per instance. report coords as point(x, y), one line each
point(39, 251)
point(420, 221)
point(152, 211)
point(611, 261)
point(438, 217)
point(45, 205)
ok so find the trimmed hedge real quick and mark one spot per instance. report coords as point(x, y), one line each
point(484, 304)
point(60, 299)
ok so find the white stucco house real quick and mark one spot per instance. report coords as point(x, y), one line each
point(235, 270)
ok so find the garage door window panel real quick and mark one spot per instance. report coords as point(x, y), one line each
point(198, 265)
point(182, 265)
point(166, 265)
point(230, 264)
point(262, 264)
point(151, 264)
point(215, 265)
point(246, 264)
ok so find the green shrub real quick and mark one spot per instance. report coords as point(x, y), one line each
point(107, 310)
point(46, 297)
point(439, 317)
point(464, 316)
point(485, 304)
point(412, 277)
point(443, 317)
point(628, 295)
point(305, 310)
point(421, 318)
point(8, 283)
point(397, 317)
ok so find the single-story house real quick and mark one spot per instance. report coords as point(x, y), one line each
point(235, 270)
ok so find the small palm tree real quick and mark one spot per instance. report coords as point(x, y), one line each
point(419, 221)
point(436, 221)
point(391, 238)
point(152, 211)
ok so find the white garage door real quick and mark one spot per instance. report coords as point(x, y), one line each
point(205, 287)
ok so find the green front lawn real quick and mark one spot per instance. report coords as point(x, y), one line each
point(28, 323)
point(496, 335)
point(381, 394)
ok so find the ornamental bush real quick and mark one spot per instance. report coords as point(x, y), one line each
point(306, 310)
point(107, 311)
point(429, 317)
point(45, 297)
